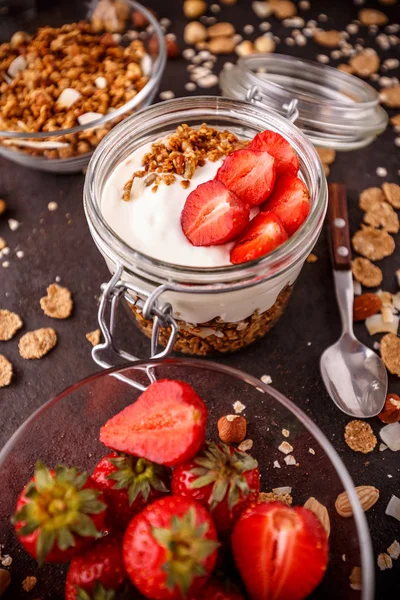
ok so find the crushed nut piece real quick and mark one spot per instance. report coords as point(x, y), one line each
point(392, 193)
point(359, 436)
point(6, 371)
point(272, 497)
point(94, 337)
point(374, 244)
point(29, 583)
point(381, 214)
point(366, 273)
point(384, 561)
point(355, 579)
point(58, 303)
point(10, 323)
point(390, 353)
point(37, 343)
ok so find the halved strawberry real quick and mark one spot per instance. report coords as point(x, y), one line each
point(264, 233)
point(280, 551)
point(286, 159)
point(290, 201)
point(213, 215)
point(166, 424)
point(249, 174)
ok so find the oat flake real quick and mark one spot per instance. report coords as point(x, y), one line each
point(10, 323)
point(37, 343)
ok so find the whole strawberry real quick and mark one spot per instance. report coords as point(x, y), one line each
point(128, 484)
point(58, 513)
point(170, 548)
point(98, 572)
point(222, 478)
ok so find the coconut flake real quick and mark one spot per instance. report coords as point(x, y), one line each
point(391, 436)
point(146, 64)
point(357, 289)
point(89, 117)
point(17, 65)
point(376, 324)
point(45, 145)
point(387, 314)
point(285, 447)
point(276, 465)
point(290, 459)
point(100, 83)
point(68, 97)
point(280, 491)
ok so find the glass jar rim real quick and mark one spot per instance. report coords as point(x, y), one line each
point(148, 89)
point(265, 267)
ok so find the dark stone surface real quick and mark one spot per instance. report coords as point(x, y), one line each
point(59, 244)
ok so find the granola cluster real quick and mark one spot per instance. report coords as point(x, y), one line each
point(56, 78)
point(181, 153)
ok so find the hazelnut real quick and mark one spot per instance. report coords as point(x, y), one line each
point(264, 44)
point(195, 32)
point(3, 206)
point(193, 9)
point(19, 39)
point(172, 48)
point(391, 410)
point(245, 48)
point(232, 429)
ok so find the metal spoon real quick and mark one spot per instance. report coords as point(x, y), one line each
point(354, 375)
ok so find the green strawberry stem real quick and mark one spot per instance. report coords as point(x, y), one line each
point(99, 593)
point(139, 475)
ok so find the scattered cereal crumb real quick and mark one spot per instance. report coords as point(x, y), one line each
point(94, 337)
point(10, 323)
point(58, 303)
point(355, 578)
point(6, 560)
point(285, 447)
point(311, 451)
point(285, 433)
point(372, 243)
point(312, 258)
point(246, 445)
point(13, 224)
point(390, 353)
point(167, 95)
point(20, 254)
point(29, 583)
point(3, 206)
point(6, 371)
point(273, 497)
point(359, 436)
point(276, 464)
point(52, 206)
point(266, 379)
point(238, 407)
point(384, 561)
point(6, 264)
point(3, 243)
point(382, 447)
point(37, 343)
point(290, 459)
point(392, 193)
point(366, 273)
point(394, 550)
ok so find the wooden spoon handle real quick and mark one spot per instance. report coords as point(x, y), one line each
point(338, 227)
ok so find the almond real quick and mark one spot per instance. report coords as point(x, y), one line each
point(321, 512)
point(232, 429)
point(368, 495)
point(391, 410)
point(365, 306)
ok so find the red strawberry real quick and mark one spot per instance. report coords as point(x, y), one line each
point(58, 513)
point(170, 548)
point(222, 478)
point(281, 552)
point(166, 424)
point(97, 571)
point(215, 590)
point(213, 215)
point(128, 484)
point(249, 174)
point(264, 233)
point(290, 201)
point(286, 159)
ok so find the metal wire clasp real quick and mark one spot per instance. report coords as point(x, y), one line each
point(292, 113)
point(161, 315)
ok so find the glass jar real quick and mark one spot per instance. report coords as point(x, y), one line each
point(201, 311)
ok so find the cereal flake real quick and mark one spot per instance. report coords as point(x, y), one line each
point(94, 337)
point(10, 323)
point(392, 193)
point(369, 197)
point(372, 243)
point(359, 436)
point(37, 343)
point(390, 353)
point(366, 273)
point(327, 155)
point(6, 371)
point(381, 214)
point(58, 303)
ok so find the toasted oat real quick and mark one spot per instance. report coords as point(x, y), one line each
point(329, 39)
point(394, 550)
point(392, 193)
point(365, 63)
point(3, 206)
point(391, 96)
point(355, 579)
point(10, 323)
point(245, 445)
point(369, 197)
point(29, 583)
point(359, 436)
point(94, 337)
point(327, 155)
point(6, 371)
point(272, 497)
point(312, 258)
point(381, 214)
point(372, 243)
point(58, 303)
point(384, 561)
point(370, 16)
point(37, 343)
point(3, 243)
point(390, 353)
point(395, 121)
point(366, 273)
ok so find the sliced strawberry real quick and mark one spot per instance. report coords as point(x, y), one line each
point(166, 424)
point(264, 233)
point(213, 215)
point(249, 174)
point(281, 552)
point(290, 201)
point(286, 159)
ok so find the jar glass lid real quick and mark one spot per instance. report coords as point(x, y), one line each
point(334, 109)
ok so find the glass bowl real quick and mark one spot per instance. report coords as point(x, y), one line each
point(66, 430)
point(69, 151)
